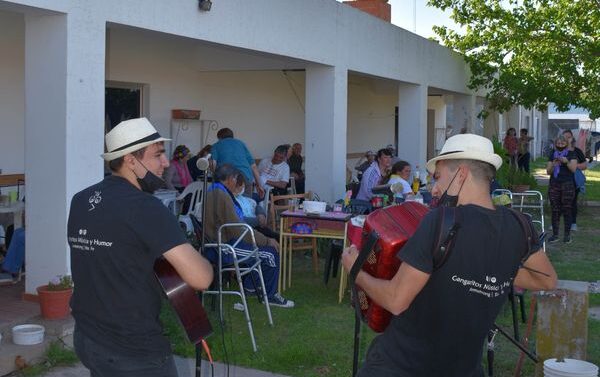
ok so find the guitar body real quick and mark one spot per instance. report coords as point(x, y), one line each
point(184, 300)
point(393, 225)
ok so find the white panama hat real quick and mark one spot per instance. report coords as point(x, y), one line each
point(130, 136)
point(467, 147)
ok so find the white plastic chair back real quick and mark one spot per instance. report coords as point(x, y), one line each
point(292, 188)
point(194, 189)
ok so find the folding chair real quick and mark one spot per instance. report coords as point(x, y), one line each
point(532, 203)
point(244, 263)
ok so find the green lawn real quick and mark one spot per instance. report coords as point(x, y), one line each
point(315, 338)
point(592, 186)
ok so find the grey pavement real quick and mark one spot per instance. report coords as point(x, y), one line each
point(185, 368)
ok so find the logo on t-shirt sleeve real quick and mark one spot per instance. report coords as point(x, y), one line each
point(96, 198)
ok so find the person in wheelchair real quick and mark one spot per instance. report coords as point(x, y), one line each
point(223, 208)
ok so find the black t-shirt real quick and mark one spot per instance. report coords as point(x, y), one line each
point(115, 233)
point(564, 174)
point(443, 330)
point(295, 163)
point(580, 155)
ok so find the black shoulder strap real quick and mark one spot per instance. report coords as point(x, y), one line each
point(524, 222)
point(447, 228)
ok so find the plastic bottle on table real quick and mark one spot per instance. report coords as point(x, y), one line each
point(418, 197)
point(416, 183)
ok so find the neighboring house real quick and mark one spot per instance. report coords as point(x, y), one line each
point(317, 72)
point(576, 119)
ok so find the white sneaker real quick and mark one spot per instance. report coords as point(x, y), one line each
point(238, 306)
point(573, 227)
point(278, 300)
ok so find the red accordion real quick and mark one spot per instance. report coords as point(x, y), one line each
point(394, 226)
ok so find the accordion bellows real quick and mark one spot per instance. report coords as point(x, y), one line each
point(394, 225)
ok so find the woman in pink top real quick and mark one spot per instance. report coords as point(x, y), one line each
point(510, 144)
point(177, 175)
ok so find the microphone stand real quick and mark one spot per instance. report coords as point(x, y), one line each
point(203, 215)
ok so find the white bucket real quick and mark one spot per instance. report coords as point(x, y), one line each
point(27, 335)
point(569, 368)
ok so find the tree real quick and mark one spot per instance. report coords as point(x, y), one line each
point(529, 52)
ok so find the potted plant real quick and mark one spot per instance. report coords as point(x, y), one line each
point(509, 176)
point(55, 296)
point(520, 180)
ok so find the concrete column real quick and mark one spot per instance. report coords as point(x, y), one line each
point(412, 124)
point(562, 322)
point(465, 112)
point(438, 136)
point(64, 127)
point(326, 131)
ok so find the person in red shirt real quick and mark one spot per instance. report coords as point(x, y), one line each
point(510, 144)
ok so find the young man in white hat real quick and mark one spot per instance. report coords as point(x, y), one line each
point(116, 230)
point(443, 314)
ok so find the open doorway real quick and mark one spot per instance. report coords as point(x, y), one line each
point(123, 101)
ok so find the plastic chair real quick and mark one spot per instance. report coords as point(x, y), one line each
point(244, 263)
point(195, 203)
point(292, 188)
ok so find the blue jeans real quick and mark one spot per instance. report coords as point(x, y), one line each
point(15, 255)
point(269, 265)
point(524, 161)
point(104, 362)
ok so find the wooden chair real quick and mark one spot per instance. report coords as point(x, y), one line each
point(280, 203)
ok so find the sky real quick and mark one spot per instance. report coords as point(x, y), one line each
point(402, 15)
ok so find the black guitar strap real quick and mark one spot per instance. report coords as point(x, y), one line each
point(447, 228)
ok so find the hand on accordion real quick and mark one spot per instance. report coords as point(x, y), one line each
point(349, 257)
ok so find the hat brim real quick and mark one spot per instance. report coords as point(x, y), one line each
point(109, 156)
point(492, 159)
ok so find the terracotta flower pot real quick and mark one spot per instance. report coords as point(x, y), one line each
point(54, 304)
point(520, 188)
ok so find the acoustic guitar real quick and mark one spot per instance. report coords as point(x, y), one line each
point(184, 300)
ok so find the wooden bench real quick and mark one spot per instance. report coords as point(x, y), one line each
point(12, 179)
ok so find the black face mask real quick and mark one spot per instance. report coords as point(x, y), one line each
point(447, 200)
point(560, 149)
point(150, 182)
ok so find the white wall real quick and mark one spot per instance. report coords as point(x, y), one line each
point(259, 106)
point(12, 93)
point(264, 108)
point(371, 120)
point(338, 34)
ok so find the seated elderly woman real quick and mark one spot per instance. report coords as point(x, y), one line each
point(400, 175)
point(254, 215)
point(177, 175)
point(223, 208)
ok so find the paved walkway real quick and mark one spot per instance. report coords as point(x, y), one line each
point(185, 367)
